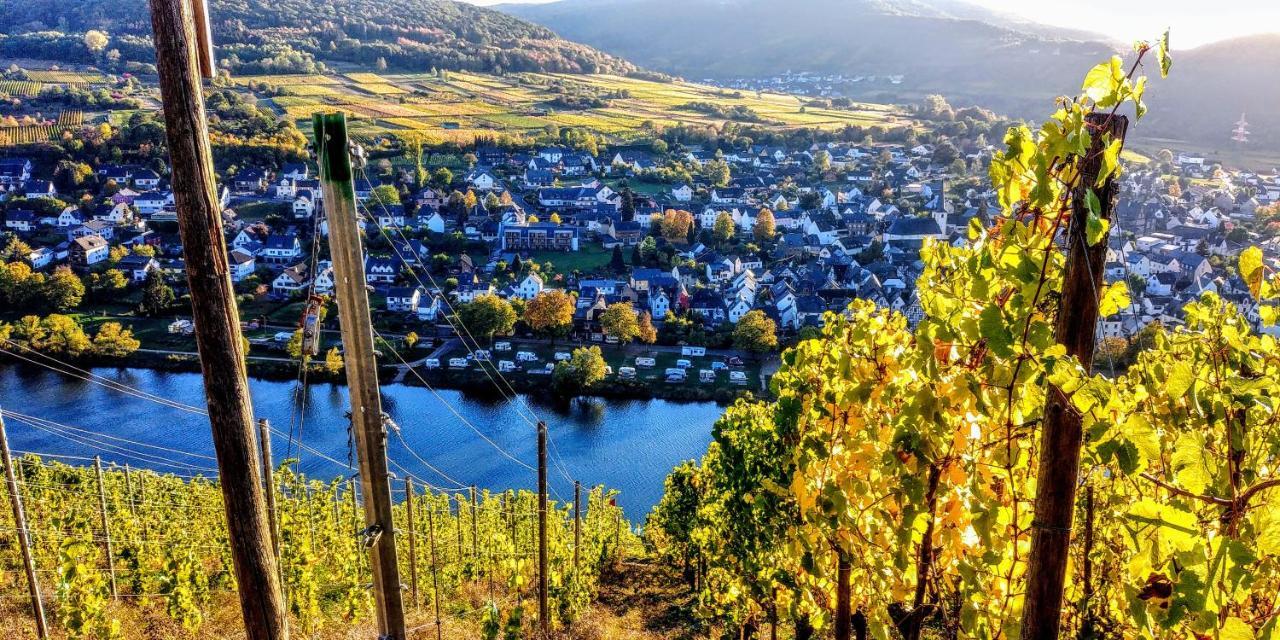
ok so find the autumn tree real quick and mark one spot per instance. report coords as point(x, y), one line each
point(645, 331)
point(676, 224)
point(157, 295)
point(619, 320)
point(584, 368)
point(63, 290)
point(114, 341)
point(550, 313)
point(724, 227)
point(765, 227)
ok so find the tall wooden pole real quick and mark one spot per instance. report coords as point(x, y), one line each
point(368, 424)
point(475, 528)
point(1062, 434)
point(106, 525)
point(413, 539)
point(269, 483)
point(844, 605)
point(577, 523)
point(24, 541)
point(217, 321)
point(435, 572)
point(544, 609)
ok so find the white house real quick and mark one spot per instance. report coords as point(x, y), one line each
point(242, 264)
point(291, 280)
point(404, 299)
point(682, 193)
point(530, 287)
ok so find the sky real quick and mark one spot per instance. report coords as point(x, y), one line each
point(1193, 22)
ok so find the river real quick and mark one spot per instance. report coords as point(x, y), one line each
point(630, 445)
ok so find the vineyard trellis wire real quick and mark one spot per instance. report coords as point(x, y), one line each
point(171, 548)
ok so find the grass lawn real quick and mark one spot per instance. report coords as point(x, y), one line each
point(591, 258)
point(260, 210)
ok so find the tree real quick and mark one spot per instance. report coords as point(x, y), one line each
point(550, 313)
point(755, 332)
point(63, 336)
point(114, 341)
point(294, 346)
point(583, 369)
point(63, 290)
point(724, 227)
point(385, 195)
point(333, 360)
point(619, 320)
point(822, 161)
point(381, 64)
point(96, 40)
point(487, 316)
point(765, 227)
point(616, 263)
point(410, 339)
point(157, 295)
point(110, 281)
point(676, 224)
point(15, 250)
point(554, 219)
point(717, 173)
point(645, 332)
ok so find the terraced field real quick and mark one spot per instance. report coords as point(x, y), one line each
point(460, 106)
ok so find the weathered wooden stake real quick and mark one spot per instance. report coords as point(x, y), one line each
point(269, 483)
point(475, 528)
point(368, 423)
point(128, 489)
point(413, 545)
point(435, 573)
point(844, 620)
point(1062, 434)
point(217, 320)
point(544, 608)
point(106, 525)
point(577, 523)
point(24, 540)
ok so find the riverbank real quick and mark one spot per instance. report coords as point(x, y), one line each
point(467, 380)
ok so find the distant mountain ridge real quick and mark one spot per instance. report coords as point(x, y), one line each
point(407, 34)
point(964, 51)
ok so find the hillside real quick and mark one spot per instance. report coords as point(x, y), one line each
point(1213, 84)
point(964, 51)
point(262, 36)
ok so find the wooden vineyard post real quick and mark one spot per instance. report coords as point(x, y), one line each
point(544, 609)
point(24, 540)
point(128, 489)
point(269, 483)
point(217, 320)
point(475, 528)
point(368, 423)
point(458, 521)
point(435, 573)
point(577, 523)
point(106, 526)
point(1062, 434)
point(355, 523)
point(844, 621)
point(413, 545)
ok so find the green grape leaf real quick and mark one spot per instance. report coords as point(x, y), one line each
point(1252, 270)
point(994, 329)
point(1115, 297)
point(1162, 55)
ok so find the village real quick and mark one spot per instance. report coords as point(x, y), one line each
point(743, 258)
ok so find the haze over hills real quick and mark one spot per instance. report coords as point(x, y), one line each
point(964, 51)
point(258, 36)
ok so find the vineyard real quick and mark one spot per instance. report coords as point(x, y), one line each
point(980, 475)
point(24, 134)
point(135, 548)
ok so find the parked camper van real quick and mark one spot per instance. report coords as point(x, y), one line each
point(483, 354)
point(706, 375)
point(738, 377)
point(506, 365)
point(432, 363)
point(675, 374)
point(696, 352)
point(627, 373)
point(645, 362)
point(683, 364)
point(526, 356)
point(457, 363)
point(561, 355)
point(502, 346)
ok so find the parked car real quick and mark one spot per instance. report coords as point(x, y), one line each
point(611, 339)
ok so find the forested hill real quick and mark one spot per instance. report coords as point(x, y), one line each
point(263, 36)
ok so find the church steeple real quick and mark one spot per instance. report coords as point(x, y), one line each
point(1241, 133)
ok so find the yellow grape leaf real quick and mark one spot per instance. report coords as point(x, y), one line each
point(1251, 270)
point(1115, 297)
point(1189, 466)
point(1235, 629)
